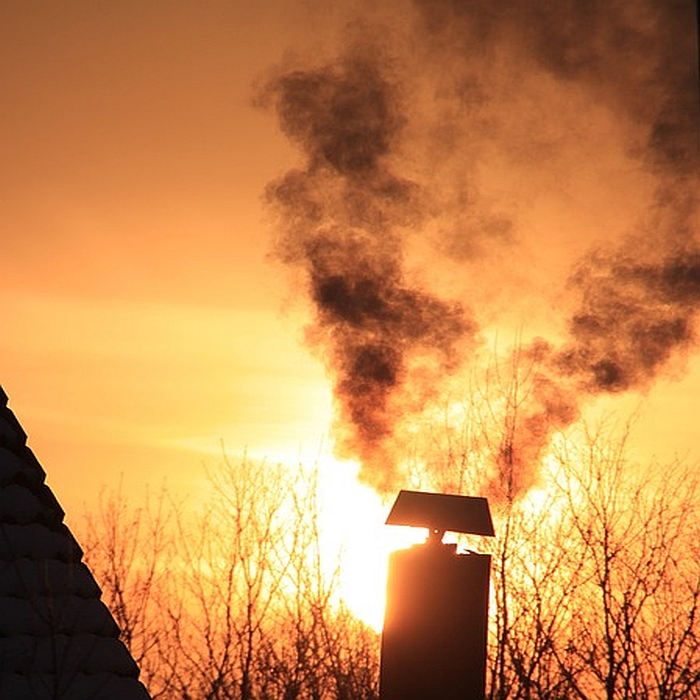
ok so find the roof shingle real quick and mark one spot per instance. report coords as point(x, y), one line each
point(58, 641)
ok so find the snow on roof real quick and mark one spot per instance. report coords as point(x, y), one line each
point(57, 638)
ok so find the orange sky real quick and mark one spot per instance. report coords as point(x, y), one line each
point(142, 322)
point(145, 320)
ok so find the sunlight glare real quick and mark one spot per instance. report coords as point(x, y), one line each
point(352, 525)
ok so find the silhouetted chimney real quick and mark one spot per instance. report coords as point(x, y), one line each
point(436, 620)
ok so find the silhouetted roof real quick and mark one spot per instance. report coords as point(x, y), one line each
point(57, 639)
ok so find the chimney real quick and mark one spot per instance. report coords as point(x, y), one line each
point(436, 620)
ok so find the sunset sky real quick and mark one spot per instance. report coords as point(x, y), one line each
point(144, 319)
point(146, 323)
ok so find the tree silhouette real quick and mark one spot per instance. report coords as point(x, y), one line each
point(595, 578)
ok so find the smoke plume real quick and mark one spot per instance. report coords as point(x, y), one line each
point(345, 216)
point(468, 114)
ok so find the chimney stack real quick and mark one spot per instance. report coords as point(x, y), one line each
point(436, 620)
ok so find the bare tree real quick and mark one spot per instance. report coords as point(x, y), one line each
point(259, 614)
point(637, 588)
point(595, 577)
point(128, 550)
point(595, 581)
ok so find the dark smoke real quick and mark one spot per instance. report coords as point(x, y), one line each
point(638, 57)
point(344, 220)
point(464, 86)
point(638, 300)
point(634, 317)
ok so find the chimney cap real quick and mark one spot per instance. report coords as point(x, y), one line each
point(442, 512)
